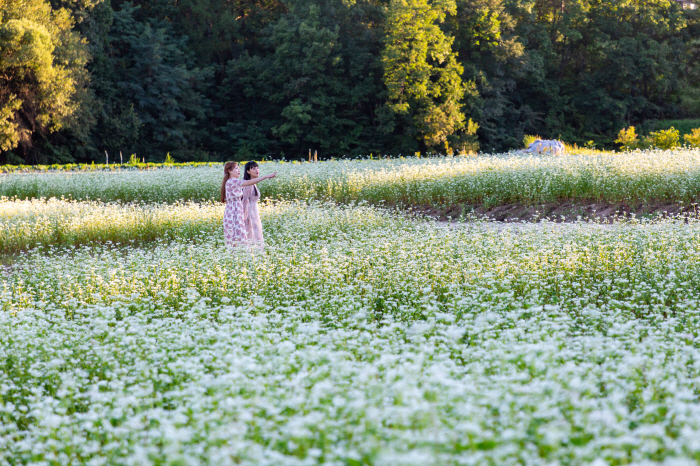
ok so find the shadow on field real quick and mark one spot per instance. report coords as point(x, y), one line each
point(601, 212)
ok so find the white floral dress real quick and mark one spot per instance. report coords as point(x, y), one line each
point(234, 223)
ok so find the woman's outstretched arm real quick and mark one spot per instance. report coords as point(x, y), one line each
point(257, 180)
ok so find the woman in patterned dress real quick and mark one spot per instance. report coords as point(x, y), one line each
point(251, 196)
point(232, 195)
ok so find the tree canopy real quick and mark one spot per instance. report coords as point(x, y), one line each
point(41, 69)
point(242, 79)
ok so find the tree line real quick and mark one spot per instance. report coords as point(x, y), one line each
point(207, 80)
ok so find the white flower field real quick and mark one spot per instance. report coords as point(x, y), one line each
point(639, 177)
point(357, 336)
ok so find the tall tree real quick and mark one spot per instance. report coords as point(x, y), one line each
point(148, 90)
point(495, 59)
point(42, 67)
point(315, 84)
point(689, 105)
point(421, 72)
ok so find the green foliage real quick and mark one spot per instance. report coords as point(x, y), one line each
point(242, 79)
point(421, 72)
point(465, 141)
point(9, 131)
point(472, 128)
point(150, 95)
point(314, 84)
point(627, 138)
point(41, 61)
point(684, 126)
point(590, 68)
point(664, 139)
point(529, 139)
point(133, 160)
point(217, 30)
point(496, 60)
point(693, 139)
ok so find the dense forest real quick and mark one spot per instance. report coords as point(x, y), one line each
point(240, 79)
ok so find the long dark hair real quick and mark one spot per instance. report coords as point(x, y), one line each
point(246, 175)
point(227, 167)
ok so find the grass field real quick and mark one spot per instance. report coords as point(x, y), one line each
point(357, 336)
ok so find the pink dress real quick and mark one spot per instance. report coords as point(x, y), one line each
point(234, 227)
point(253, 226)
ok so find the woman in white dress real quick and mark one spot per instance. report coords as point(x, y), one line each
point(251, 196)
